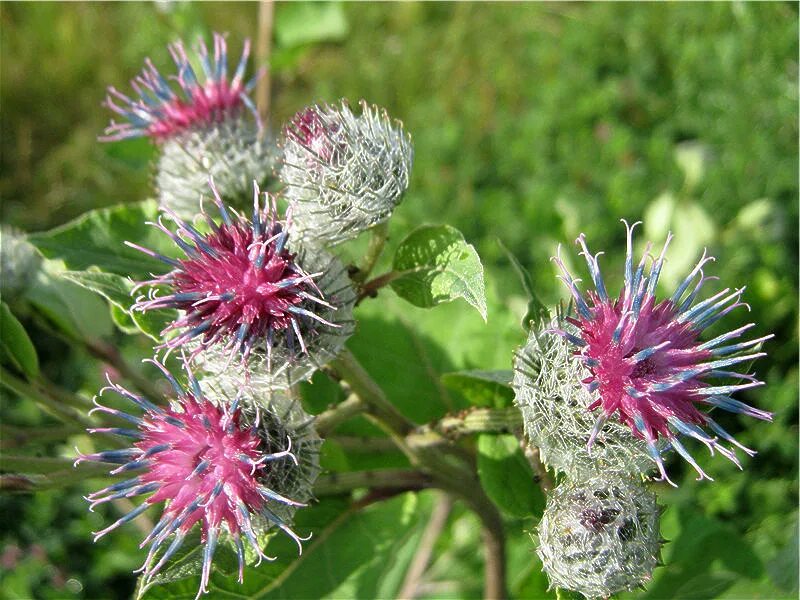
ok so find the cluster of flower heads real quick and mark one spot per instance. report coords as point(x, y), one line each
point(236, 465)
point(260, 303)
point(607, 393)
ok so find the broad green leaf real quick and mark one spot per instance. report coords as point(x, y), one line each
point(117, 290)
point(536, 309)
point(507, 477)
point(437, 265)
point(298, 23)
point(97, 239)
point(16, 346)
point(482, 388)
point(74, 310)
point(690, 574)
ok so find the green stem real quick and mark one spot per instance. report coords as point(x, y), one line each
point(363, 444)
point(394, 479)
point(24, 437)
point(477, 420)
point(67, 414)
point(377, 405)
point(446, 464)
point(327, 421)
point(377, 241)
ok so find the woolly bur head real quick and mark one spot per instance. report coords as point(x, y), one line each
point(553, 402)
point(163, 110)
point(645, 359)
point(599, 535)
point(243, 290)
point(233, 152)
point(19, 261)
point(216, 464)
point(343, 173)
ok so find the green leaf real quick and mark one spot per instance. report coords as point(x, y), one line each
point(536, 309)
point(69, 307)
point(117, 290)
point(507, 477)
point(482, 388)
point(299, 23)
point(435, 264)
point(691, 574)
point(15, 344)
point(97, 239)
point(352, 554)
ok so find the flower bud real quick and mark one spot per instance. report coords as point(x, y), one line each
point(343, 173)
point(599, 535)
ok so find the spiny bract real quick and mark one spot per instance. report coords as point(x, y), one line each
point(343, 173)
point(553, 402)
point(241, 289)
point(599, 535)
point(215, 462)
point(645, 359)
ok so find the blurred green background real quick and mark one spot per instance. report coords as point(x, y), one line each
point(531, 123)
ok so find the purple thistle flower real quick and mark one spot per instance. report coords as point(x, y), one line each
point(162, 111)
point(646, 361)
point(209, 463)
point(241, 286)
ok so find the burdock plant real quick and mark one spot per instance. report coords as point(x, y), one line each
point(249, 307)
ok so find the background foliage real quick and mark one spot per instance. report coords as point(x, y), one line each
point(531, 123)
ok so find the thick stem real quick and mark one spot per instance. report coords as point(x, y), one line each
point(494, 553)
point(477, 420)
point(327, 421)
point(444, 463)
point(347, 367)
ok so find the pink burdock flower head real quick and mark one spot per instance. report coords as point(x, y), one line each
point(163, 110)
point(213, 465)
point(646, 361)
point(240, 287)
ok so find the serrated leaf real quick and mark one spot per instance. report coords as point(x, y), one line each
point(117, 290)
point(17, 347)
point(507, 477)
point(482, 388)
point(97, 239)
point(435, 264)
point(299, 23)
